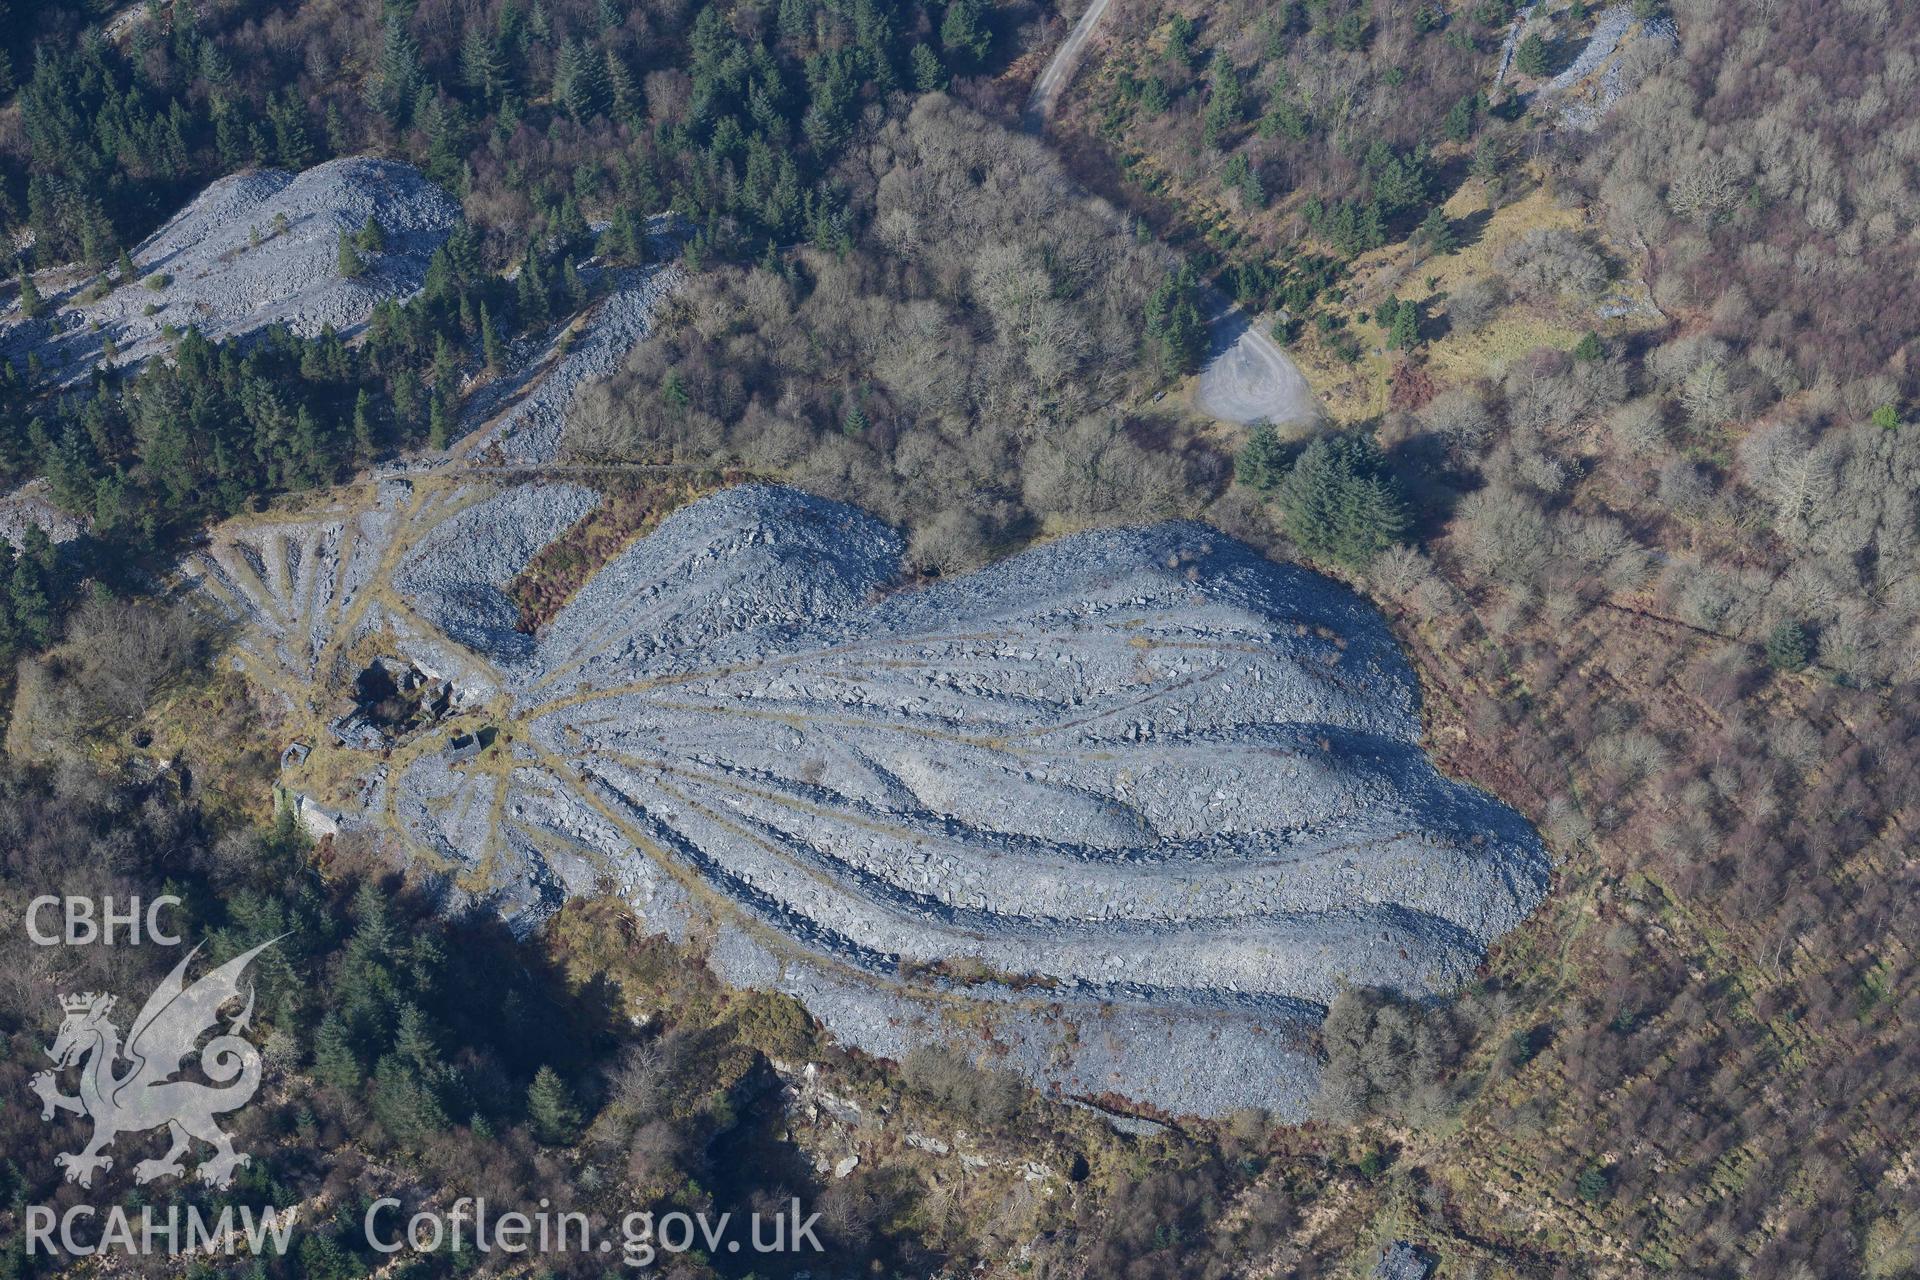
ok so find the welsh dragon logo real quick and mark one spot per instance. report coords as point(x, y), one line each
point(130, 1089)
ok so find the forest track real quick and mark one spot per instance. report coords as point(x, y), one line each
point(1247, 378)
point(1060, 69)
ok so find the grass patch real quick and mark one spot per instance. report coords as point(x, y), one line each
point(630, 506)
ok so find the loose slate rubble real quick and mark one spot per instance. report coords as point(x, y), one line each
point(528, 430)
point(1402, 1261)
point(255, 249)
point(453, 576)
point(31, 506)
point(1141, 799)
point(1592, 96)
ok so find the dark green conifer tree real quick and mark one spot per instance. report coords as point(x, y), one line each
point(551, 1112)
point(1339, 502)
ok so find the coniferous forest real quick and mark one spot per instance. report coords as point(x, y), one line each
point(1607, 317)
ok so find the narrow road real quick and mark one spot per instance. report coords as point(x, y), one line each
point(1059, 72)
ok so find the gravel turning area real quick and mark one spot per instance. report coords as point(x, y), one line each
point(228, 271)
point(1141, 799)
point(1247, 377)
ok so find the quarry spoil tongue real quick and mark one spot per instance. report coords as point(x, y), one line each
point(1141, 798)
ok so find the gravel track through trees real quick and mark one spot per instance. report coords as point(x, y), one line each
point(1247, 377)
point(1059, 70)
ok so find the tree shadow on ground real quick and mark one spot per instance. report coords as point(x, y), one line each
point(1471, 229)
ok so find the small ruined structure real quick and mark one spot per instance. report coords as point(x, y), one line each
point(1402, 1261)
point(392, 700)
point(315, 820)
point(464, 746)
